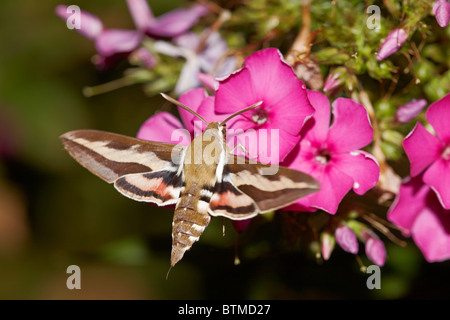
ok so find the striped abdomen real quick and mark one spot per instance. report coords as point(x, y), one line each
point(190, 219)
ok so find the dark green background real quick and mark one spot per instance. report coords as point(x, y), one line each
point(54, 213)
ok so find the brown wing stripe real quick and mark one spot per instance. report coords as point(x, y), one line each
point(168, 177)
point(237, 210)
point(104, 167)
point(271, 200)
point(158, 185)
point(225, 187)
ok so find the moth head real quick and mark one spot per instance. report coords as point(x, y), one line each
point(215, 130)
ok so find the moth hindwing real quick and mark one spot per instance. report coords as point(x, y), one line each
point(203, 179)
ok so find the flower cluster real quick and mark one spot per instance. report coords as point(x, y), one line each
point(302, 117)
point(345, 144)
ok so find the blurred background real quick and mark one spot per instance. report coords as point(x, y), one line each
point(54, 213)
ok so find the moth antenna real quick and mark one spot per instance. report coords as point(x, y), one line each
point(241, 111)
point(170, 99)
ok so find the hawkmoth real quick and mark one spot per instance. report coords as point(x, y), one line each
point(221, 184)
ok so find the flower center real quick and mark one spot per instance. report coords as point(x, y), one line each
point(259, 116)
point(446, 153)
point(323, 156)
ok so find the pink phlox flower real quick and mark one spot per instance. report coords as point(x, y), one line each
point(277, 122)
point(392, 43)
point(419, 213)
point(441, 9)
point(430, 154)
point(331, 154)
point(110, 43)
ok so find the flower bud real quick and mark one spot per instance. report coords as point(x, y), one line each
point(441, 10)
point(409, 111)
point(376, 251)
point(142, 56)
point(334, 80)
point(346, 239)
point(327, 242)
point(392, 43)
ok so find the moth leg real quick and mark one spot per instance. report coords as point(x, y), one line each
point(239, 145)
point(223, 226)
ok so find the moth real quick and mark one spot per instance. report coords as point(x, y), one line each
point(220, 184)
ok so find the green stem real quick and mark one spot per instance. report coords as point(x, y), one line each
point(107, 87)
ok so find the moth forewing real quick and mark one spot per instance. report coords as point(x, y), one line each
point(110, 156)
point(271, 192)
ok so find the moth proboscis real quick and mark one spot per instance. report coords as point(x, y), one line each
point(220, 184)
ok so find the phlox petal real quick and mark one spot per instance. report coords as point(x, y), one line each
point(235, 92)
point(438, 115)
point(192, 99)
point(361, 167)
point(409, 202)
point(90, 25)
point(113, 41)
point(431, 232)
point(334, 185)
point(176, 21)
point(351, 128)
point(164, 127)
point(422, 148)
point(141, 13)
point(437, 176)
point(322, 114)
